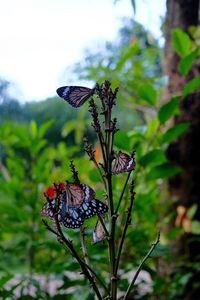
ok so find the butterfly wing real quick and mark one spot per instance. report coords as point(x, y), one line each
point(75, 95)
point(78, 204)
point(93, 207)
point(123, 163)
point(68, 220)
point(47, 211)
point(98, 233)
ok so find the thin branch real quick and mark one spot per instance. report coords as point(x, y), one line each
point(98, 278)
point(83, 246)
point(75, 254)
point(99, 170)
point(127, 223)
point(90, 152)
point(48, 227)
point(82, 265)
point(141, 265)
point(74, 171)
point(102, 144)
point(122, 193)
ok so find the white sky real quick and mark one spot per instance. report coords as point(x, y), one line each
point(40, 38)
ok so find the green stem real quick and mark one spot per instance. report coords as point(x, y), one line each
point(140, 267)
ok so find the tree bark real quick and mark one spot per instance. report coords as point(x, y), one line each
point(184, 188)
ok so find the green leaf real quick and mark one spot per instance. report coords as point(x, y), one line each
point(94, 176)
point(168, 110)
point(186, 62)
point(44, 127)
point(181, 42)
point(122, 141)
point(152, 126)
point(153, 157)
point(191, 211)
point(191, 86)
point(195, 227)
point(33, 129)
point(4, 279)
point(148, 93)
point(174, 132)
point(163, 171)
point(68, 128)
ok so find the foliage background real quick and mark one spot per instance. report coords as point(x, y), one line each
point(37, 141)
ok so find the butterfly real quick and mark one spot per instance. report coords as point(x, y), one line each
point(123, 163)
point(78, 203)
point(76, 96)
point(47, 210)
point(98, 233)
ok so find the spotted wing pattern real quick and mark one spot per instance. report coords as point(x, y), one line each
point(76, 96)
point(78, 203)
point(47, 210)
point(123, 163)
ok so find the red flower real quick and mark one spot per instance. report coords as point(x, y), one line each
point(50, 193)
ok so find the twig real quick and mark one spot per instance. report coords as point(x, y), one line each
point(122, 193)
point(99, 170)
point(127, 223)
point(141, 265)
point(98, 278)
point(83, 246)
point(74, 253)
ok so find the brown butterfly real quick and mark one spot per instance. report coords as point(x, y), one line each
point(122, 163)
point(76, 96)
point(98, 233)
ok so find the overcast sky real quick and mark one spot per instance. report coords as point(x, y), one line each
point(40, 38)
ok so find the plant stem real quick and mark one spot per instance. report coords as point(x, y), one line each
point(83, 246)
point(88, 267)
point(98, 278)
point(102, 144)
point(140, 266)
point(127, 223)
point(99, 169)
point(122, 193)
point(112, 217)
point(77, 257)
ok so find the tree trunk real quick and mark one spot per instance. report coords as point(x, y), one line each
point(184, 188)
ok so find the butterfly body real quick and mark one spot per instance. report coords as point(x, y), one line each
point(76, 96)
